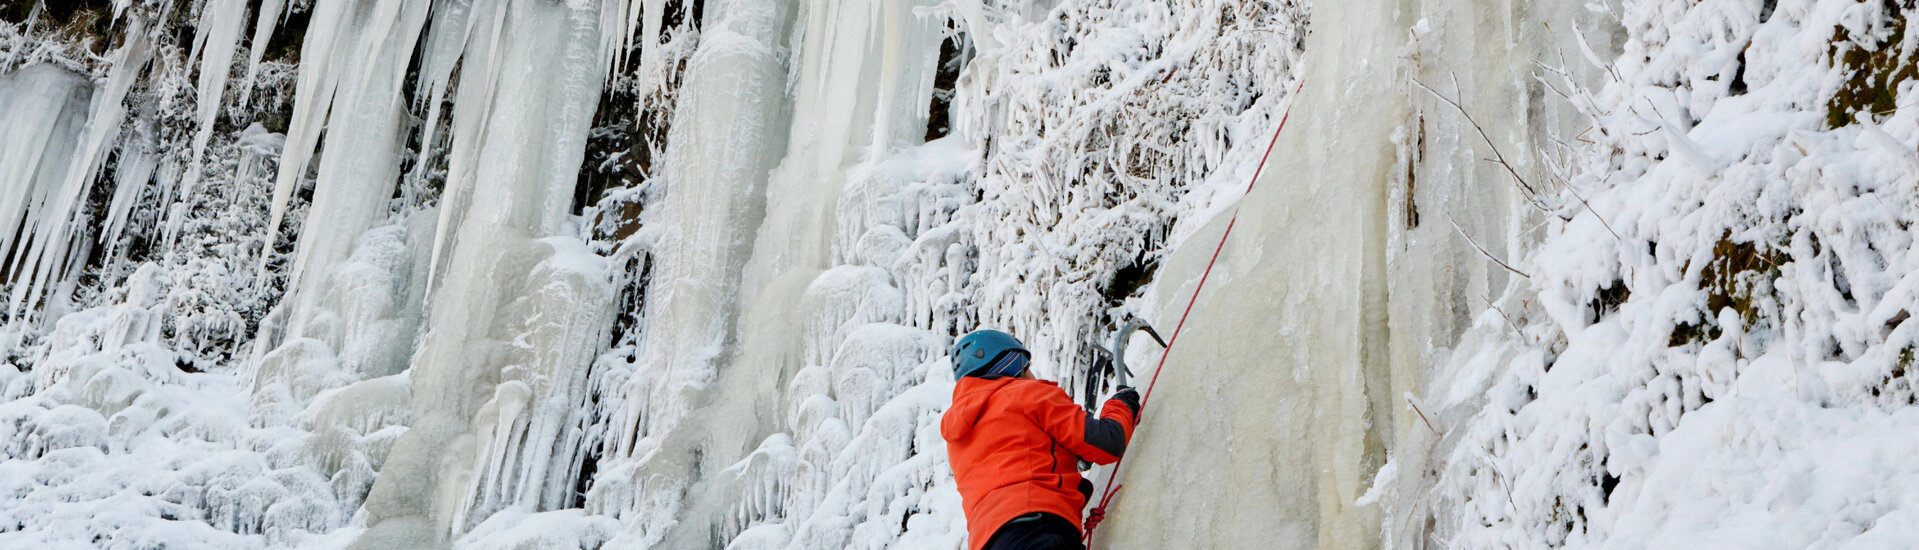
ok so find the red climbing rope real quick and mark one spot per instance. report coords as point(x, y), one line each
point(1098, 512)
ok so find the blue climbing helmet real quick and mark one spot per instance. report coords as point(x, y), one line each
point(989, 354)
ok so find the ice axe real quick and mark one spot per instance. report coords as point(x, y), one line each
point(1117, 358)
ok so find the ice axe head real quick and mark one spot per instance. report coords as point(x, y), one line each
point(1120, 372)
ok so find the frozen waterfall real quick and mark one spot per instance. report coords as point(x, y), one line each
point(1350, 267)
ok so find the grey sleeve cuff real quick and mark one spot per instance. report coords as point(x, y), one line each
point(1106, 434)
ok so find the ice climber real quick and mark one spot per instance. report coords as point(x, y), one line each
point(1014, 443)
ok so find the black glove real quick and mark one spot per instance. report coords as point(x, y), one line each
point(1129, 397)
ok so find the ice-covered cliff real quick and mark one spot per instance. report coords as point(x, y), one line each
point(658, 273)
point(682, 273)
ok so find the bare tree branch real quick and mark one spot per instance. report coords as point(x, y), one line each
point(1482, 250)
point(1422, 414)
point(1589, 208)
point(1532, 195)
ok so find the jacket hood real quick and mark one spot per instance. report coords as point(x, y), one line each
point(970, 396)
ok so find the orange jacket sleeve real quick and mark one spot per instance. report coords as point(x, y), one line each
point(1097, 439)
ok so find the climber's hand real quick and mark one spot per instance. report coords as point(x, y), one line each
point(1129, 397)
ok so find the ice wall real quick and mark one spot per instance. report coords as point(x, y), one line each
point(1350, 267)
point(725, 137)
point(516, 315)
point(742, 298)
point(1255, 445)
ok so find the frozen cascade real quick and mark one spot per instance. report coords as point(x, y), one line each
point(365, 293)
point(734, 99)
point(1374, 189)
point(350, 320)
point(354, 63)
point(515, 315)
point(860, 78)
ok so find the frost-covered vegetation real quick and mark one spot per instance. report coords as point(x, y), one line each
point(1716, 353)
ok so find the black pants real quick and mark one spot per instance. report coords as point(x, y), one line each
point(1036, 531)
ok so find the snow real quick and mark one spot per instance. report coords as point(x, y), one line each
point(121, 443)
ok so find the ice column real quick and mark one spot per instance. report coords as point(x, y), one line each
point(353, 62)
point(861, 85)
point(727, 132)
point(728, 324)
point(515, 317)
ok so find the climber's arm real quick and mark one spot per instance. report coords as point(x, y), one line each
point(1098, 439)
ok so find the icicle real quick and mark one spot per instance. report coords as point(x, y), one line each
point(352, 66)
point(652, 16)
point(47, 103)
point(136, 157)
point(43, 254)
point(614, 35)
point(268, 19)
point(445, 40)
point(217, 36)
point(477, 80)
point(137, 164)
point(312, 97)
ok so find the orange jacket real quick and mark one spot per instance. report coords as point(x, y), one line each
point(1014, 444)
